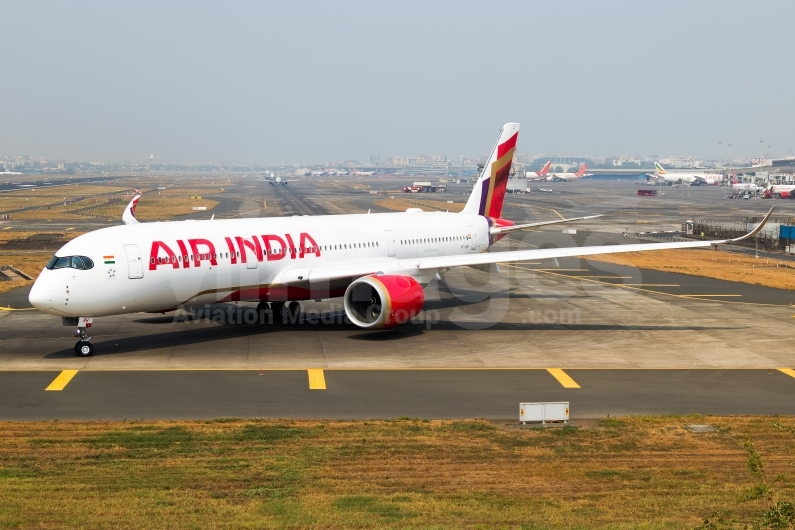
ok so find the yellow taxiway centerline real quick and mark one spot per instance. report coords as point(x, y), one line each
point(789, 371)
point(317, 381)
point(60, 382)
point(563, 378)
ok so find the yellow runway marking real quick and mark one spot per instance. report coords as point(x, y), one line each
point(60, 382)
point(6, 228)
point(72, 228)
point(317, 381)
point(563, 378)
point(789, 371)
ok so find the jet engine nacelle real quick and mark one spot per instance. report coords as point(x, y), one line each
point(383, 301)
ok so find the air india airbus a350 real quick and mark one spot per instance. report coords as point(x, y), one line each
point(379, 263)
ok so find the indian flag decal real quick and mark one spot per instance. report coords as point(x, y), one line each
point(109, 260)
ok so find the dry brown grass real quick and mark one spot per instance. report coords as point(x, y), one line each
point(628, 473)
point(710, 264)
point(402, 204)
point(30, 263)
point(158, 207)
point(105, 202)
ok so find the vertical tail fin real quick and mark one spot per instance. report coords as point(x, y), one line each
point(545, 169)
point(659, 168)
point(489, 191)
point(581, 172)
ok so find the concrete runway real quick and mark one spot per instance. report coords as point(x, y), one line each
point(635, 341)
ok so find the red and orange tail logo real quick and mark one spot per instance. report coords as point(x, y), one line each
point(495, 186)
point(581, 172)
point(545, 169)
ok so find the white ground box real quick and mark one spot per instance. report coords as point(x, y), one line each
point(571, 231)
point(543, 412)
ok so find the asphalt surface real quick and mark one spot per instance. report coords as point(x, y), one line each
point(363, 394)
point(716, 347)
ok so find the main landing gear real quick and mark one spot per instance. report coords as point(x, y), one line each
point(83, 348)
point(284, 311)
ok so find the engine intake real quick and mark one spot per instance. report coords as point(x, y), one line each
point(383, 301)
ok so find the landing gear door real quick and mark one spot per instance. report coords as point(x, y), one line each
point(390, 242)
point(135, 267)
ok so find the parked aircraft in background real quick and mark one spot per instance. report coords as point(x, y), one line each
point(362, 173)
point(560, 177)
point(745, 186)
point(660, 173)
point(378, 263)
point(539, 175)
point(779, 191)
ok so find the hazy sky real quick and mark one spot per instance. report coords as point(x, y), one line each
point(322, 81)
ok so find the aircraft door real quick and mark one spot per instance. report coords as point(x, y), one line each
point(251, 258)
point(390, 242)
point(135, 267)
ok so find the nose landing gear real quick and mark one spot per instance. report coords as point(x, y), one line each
point(83, 348)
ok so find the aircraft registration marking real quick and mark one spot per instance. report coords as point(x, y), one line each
point(563, 378)
point(789, 371)
point(60, 382)
point(317, 381)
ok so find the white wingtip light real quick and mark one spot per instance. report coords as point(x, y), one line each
point(128, 217)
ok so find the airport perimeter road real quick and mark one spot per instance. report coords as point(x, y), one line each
point(362, 394)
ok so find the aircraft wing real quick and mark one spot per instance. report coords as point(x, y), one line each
point(445, 262)
point(424, 266)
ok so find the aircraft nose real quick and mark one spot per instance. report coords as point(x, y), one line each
point(39, 296)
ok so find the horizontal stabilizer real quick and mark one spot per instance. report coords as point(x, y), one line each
point(505, 229)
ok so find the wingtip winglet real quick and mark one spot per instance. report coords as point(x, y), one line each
point(128, 217)
point(758, 228)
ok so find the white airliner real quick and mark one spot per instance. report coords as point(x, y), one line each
point(362, 173)
point(539, 175)
point(569, 176)
point(745, 186)
point(379, 263)
point(660, 173)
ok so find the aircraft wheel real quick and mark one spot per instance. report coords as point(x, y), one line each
point(277, 308)
point(263, 306)
point(84, 349)
point(294, 308)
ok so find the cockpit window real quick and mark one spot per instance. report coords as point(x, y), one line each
point(74, 262)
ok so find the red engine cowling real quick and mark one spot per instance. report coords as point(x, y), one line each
point(383, 301)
